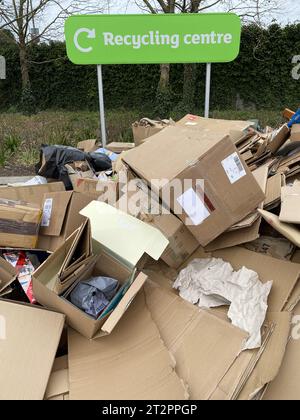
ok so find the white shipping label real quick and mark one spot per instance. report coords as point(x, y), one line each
point(47, 212)
point(234, 168)
point(193, 206)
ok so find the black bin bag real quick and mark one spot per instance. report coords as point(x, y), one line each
point(56, 157)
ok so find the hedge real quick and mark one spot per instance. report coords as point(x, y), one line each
point(261, 77)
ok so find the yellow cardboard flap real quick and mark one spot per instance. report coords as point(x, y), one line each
point(123, 234)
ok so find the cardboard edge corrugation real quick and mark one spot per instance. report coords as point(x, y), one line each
point(269, 364)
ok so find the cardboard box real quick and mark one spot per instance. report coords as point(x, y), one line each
point(29, 339)
point(87, 145)
point(247, 230)
point(236, 130)
point(115, 258)
point(19, 224)
point(181, 242)
point(131, 364)
point(146, 128)
point(60, 211)
point(106, 191)
point(295, 132)
point(230, 190)
point(119, 147)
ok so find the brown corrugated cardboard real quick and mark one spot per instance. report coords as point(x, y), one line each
point(32, 194)
point(58, 384)
point(235, 129)
point(181, 242)
point(289, 231)
point(267, 269)
point(74, 256)
point(87, 145)
point(230, 190)
point(268, 366)
point(119, 147)
point(7, 275)
point(19, 224)
point(296, 257)
point(106, 191)
point(29, 337)
point(59, 210)
point(117, 259)
point(204, 346)
point(106, 263)
point(273, 194)
point(295, 132)
point(236, 237)
point(274, 247)
point(130, 364)
point(248, 229)
point(286, 385)
point(146, 128)
point(290, 204)
point(278, 138)
point(61, 218)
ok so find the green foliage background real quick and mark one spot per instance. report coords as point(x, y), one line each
point(261, 76)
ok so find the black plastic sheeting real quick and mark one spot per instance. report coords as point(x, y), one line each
point(56, 157)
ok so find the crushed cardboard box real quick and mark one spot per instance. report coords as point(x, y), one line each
point(131, 364)
point(146, 128)
point(230, 190)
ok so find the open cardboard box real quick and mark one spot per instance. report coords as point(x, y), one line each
point(205, 183)
point(60, 211)
point(120, 243)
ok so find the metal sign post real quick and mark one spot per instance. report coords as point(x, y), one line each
point(101, 103)
point(207, 90)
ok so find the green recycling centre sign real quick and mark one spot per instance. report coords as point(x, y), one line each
point(146, 39)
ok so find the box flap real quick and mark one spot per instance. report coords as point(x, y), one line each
point(286, 386)
point(132, 363)
point(54, 210)
point(58, 384)
point(269, 364)
point(290, 204)
point(109, 225)
point(29, 338)
point(289, 231)
point(267, 269)
point(124, 304)
point(7, 274)
point(32, 194)
point(201, 363)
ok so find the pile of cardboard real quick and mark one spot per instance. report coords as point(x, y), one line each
point(201, 188)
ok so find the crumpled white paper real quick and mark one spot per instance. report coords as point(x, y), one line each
point(212, 282)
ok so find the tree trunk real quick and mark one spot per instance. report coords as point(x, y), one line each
point(164, 77)
point(189, 86)
point(24, 65)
